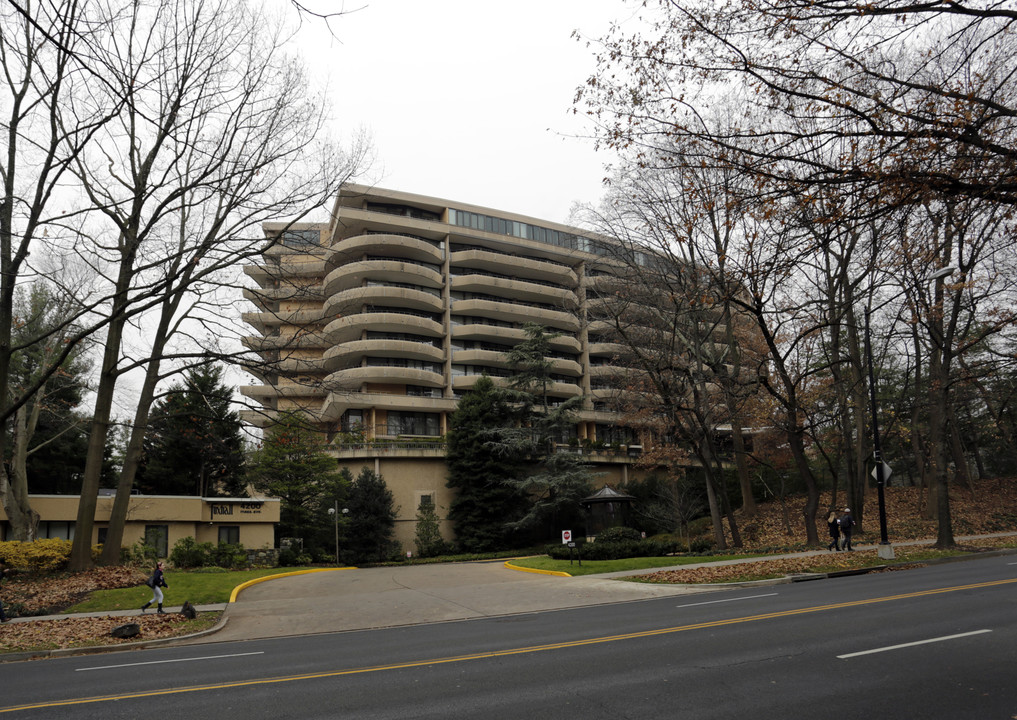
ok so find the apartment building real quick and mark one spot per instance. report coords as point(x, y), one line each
point(376, 322)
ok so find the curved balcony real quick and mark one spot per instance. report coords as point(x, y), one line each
point(339, 402)
point(555, 389)
point(355, 274)
point(479, 331)
point(493, 358)
point(305, 267)
point(515, 289)
point(357, 221)
point(352, 300)
point(517, 266)
point(292, 365)
point(351, 327)
point(264, 320)
point(302, 341)
point(507, 312)
point(387, 244)
point(350, 354)
point(269, 296)
point(607, 349)
point(355, 377)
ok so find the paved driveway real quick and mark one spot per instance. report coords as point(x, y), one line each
point(355, 599)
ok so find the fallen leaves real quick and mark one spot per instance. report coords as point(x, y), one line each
point(90, 631)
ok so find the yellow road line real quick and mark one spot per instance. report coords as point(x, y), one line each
point(507, 652)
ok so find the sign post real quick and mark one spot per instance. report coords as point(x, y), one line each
point(566, 539)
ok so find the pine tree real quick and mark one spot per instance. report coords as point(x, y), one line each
point(367, 531)
point(194, 443)
point(486, 501)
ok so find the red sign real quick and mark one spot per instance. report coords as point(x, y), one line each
point(566, 536)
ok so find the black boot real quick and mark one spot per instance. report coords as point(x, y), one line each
point(159, 611)
point(146, 606)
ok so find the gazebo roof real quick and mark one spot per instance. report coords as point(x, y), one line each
point(606, 494)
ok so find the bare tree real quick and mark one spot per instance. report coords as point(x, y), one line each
point(217, 133)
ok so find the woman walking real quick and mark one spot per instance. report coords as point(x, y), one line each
point(156, 582)
point(834, 524)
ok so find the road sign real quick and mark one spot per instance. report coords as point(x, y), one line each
point(566, 537)
point(886, 472)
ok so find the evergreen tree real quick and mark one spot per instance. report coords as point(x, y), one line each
point(485, 500)
point(560, 480)
point(194, 444)
point(293, 466)
point(428, 537)
point(367, 531)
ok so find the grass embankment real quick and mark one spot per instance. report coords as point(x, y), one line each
point(200, 587)
point(596, 567)
point(756, 567)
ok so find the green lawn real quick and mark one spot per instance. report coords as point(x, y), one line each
point(200, 588)
point(593, 567)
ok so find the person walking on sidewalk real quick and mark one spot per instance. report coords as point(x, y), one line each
point(846, 524)
point(156, 582)
point(834, 524)
point(3, 574)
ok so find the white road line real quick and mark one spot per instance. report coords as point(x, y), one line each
point(714, 602)
point(161, 662)
point(912, 644)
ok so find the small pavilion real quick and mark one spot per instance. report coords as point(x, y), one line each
point(606, 508)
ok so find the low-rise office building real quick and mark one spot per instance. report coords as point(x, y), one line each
point(163, 520)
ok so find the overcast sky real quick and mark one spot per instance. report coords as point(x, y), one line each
point(469, 100)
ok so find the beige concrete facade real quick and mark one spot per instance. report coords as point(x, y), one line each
point(164, 519)
point(376, 322)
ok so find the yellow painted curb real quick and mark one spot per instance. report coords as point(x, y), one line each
point(556, 573)
point(255, 581)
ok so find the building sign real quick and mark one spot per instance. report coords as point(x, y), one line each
point(231, 509)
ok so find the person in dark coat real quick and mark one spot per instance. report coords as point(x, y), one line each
point(834, 525)
point(846, 524)
point(156, 582)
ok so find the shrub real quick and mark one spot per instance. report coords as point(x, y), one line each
point(619, 533)
point(40, 556)
point(616, 550)
point(229, 556)
point(189, 553)
point(293, 557)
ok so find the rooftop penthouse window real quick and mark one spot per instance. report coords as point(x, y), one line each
point(404, 210)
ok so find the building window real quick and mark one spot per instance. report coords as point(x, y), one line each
point(229, 534)
point(103, 534)
point(157, 537)
point(56, 529)
point(426, 501)
point(413, 423)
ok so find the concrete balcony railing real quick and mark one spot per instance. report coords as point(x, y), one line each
point(351, 327)
point(479, 331)
point(357, 376)
point(509, 312)
point(355, 274)
point(350, 354)
point(400, 245)
point(344, 302)
point(514, 265)
point(516, 290)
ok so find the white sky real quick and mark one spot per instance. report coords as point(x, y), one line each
point(469, 100)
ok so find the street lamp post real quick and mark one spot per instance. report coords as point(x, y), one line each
point(885, 548)
point(334, 512)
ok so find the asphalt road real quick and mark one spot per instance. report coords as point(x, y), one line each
point(938, 642)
